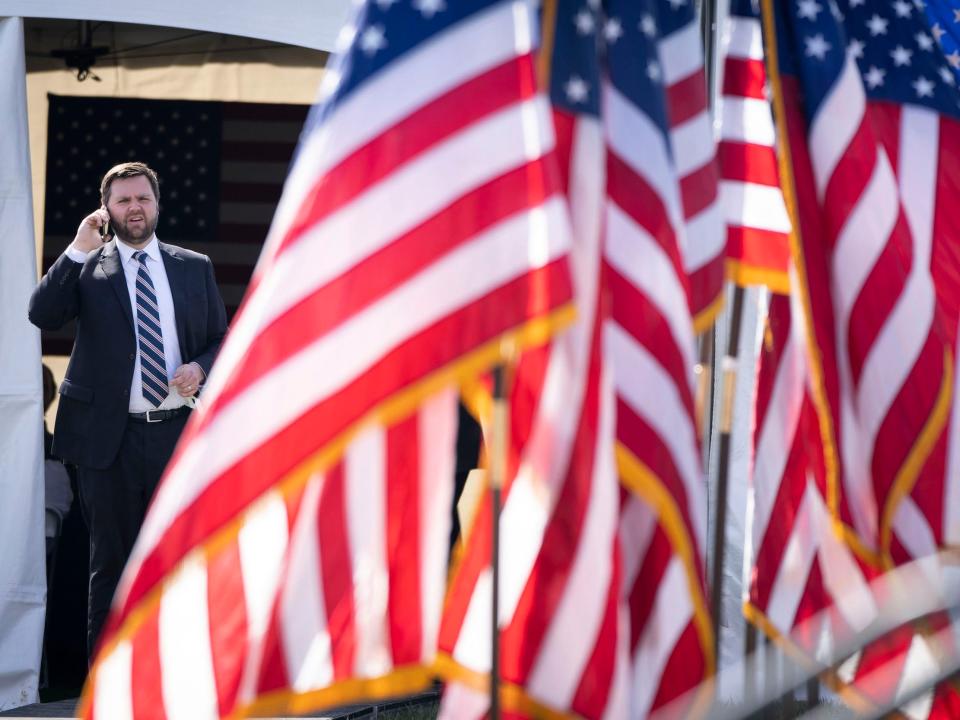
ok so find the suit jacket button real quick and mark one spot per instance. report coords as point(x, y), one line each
point(132, 355)
point(126, 392)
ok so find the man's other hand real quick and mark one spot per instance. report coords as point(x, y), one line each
point(186, 380)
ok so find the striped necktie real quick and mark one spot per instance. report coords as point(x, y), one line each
point(153, 365)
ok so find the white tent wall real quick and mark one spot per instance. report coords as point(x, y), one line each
point(22, 568)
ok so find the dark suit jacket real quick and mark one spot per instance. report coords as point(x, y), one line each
point(95, 396)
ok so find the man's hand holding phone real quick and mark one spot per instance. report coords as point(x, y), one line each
point(93, 231)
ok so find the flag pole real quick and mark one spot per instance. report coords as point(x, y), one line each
point(498, 461)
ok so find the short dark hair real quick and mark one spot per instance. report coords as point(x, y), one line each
point(128, 170)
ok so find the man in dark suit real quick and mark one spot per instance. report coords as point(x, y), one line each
point(149, 322)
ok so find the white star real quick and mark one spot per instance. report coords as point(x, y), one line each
point(874, 77)
point(345, 38)
point(835, 11)
point(817, 47)
point(653, 71)
point(385, 5)
point(808, 9)
point(956, 15)
point(938, 32)
point(648, 26)
point(946, 74)
point(576, 89)
point(856, 3)
point(877, 25)
point(855, 48)
point(920, 4)
point(923, 87)
point(372, 39)
point(677, 4)
point(584, 22)
point(612, 30)
point(924, 41)
point(901, 56)
point(954, 59)
point(902, 8)
point(429, 8)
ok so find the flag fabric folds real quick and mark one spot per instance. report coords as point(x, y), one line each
point(295, 551)
point(869, 106)
point(602, 426)
point(758, 226)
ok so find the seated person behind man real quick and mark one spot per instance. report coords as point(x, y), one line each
point(149, 322)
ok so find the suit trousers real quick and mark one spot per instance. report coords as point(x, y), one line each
point(114, 502)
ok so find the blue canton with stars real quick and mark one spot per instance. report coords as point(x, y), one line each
point(944, 19)
point(893, 43)
point(382, 32)
point(622, 41)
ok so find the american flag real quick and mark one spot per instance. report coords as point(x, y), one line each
point(610, 400)
point(871, 106)
point(294, 554)
point(221, 166)
point(758, 226)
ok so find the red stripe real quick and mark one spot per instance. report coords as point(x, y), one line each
point(644, 442)
point(641, 595)
point(273, 112)
point(448, 339)
point(564, 126)
point(336, 570)
point(432, 123)
point(260, 192)
point(403, 541)
point(687, 98)
point(748, 162)
point(850, 178)
point(745, 78)
point(685, 669)
point(147, 697)
point(946, 228)
point(706, 284)
point(380, 274)
point(523, 637)
point(632, 311)
point(761, 249)
point(631, 193)
point(228, 623)
point(698, 189)
point(775, 338)
point(272, 670)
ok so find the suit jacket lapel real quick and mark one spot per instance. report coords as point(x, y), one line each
point(110, 264)
point(176, 278)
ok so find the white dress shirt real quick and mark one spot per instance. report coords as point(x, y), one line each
point(168, 321)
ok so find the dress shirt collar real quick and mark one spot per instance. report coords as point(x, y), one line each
point(152, 249)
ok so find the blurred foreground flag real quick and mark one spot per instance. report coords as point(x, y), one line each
point(870, 106)
point(295, 553)
point(602, 601)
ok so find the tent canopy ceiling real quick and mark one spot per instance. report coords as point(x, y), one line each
point(294, 22)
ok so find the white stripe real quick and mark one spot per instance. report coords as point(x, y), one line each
point(143, 324)
point(778, 433)
point(148, 375)
point(743, 38)
point(919, 669)
point(653, 395)
point(571, 635)
point(637, 523)
point(692, 143)
point(639, 258)
point(746, 120)
point(912, 529)
point(112, 695)
point(618, 700)
point(451, 283)
point(465, 51)
point(639, 143)
point(754, 206)
point(706, 237)
point(365, 478)
point(262, 543)
point(152, 361)
point(681, 54)
point(187, 681)
point(794, 569)
point(836, 123)
point(473, 641)
point(303, 613)
point(437, 438)
point(843, 580)
point(670, 615)
point(147, 299)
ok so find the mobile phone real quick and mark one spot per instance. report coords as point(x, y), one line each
point(104, 231)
